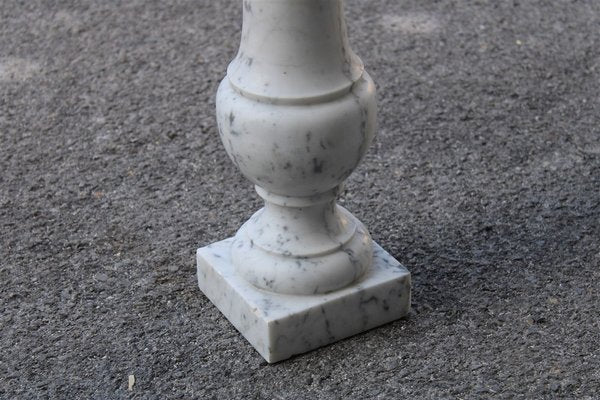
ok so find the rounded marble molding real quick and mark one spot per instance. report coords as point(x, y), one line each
point(271, 253)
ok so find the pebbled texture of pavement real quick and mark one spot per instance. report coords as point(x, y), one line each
point(484, 181)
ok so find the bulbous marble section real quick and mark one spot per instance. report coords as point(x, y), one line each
point(297, 150)
point(296, 114)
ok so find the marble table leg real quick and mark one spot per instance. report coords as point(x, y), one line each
point(296, 114)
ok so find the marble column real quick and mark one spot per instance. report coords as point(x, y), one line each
point(296, 114)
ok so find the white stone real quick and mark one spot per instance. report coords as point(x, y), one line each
point(296, 114)
point(280, 325)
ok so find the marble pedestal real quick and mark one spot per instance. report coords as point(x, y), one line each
point(296, 113)
point(281, 325)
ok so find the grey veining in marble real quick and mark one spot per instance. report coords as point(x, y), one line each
point(296, 114)
point(280, 325)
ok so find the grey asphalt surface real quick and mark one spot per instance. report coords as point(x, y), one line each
point(484, 181)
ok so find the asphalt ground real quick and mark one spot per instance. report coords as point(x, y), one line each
point(484, 181)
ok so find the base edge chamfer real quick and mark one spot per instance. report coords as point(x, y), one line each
point(280, 325)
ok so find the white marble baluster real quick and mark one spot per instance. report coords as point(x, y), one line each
point(296, 114)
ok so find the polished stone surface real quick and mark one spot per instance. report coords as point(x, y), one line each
point(280, 325)
point(296, 114)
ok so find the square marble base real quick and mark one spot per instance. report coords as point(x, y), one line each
point(279, 326)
